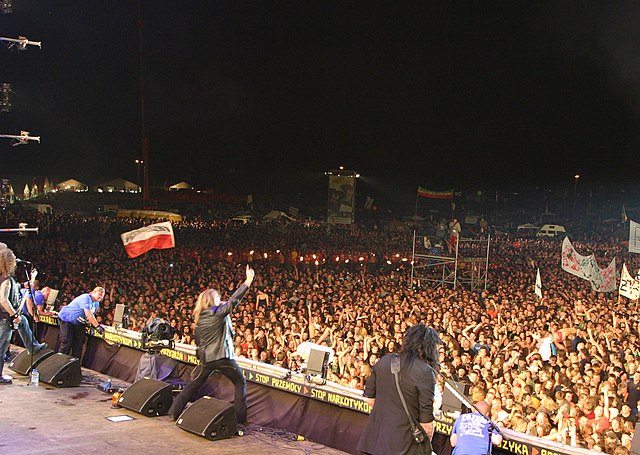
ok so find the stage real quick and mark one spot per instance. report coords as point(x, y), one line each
point(49, 420)
point(328, 414)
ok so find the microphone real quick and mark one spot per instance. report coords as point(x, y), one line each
point(22, 262)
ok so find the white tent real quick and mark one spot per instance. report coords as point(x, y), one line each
point(72, 185)
point(181, 186)
point(119, 186)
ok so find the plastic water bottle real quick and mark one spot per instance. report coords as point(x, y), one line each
point(35, 377)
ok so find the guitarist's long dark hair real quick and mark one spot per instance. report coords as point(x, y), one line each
point(7, 262)
point(421, 342)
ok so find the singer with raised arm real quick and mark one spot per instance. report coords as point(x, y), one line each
point(401, 390)
point(75, 316)
point(11, 317)
point(214, 340)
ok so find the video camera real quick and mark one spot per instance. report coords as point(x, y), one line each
point(157, 335)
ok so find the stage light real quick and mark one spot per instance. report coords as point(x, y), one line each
point(6, 6)
point(5, 97)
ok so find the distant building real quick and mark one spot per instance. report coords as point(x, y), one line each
point(118, 186)
point(181, 186)
point(72, 185)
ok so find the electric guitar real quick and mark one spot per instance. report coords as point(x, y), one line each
point(25, 297)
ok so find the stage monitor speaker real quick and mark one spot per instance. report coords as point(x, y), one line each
point(148, 397)
point(450, 402)
point(635, 442)
point(211, 418)
point(317, 362)
point(21, 364)
point(61, 370)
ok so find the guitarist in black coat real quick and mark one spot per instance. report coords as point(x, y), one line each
point(388, 430)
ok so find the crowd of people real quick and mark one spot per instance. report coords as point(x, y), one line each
point(564, 367)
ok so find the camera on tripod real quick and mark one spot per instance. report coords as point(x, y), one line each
point(158, 335)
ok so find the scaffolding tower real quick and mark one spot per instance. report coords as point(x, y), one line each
point(442, 262)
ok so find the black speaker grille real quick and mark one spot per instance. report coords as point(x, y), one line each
point(21, 364)
point(148, 396)
point(211, 418)
point(61, 370)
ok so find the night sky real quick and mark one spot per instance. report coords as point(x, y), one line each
point(255, 96)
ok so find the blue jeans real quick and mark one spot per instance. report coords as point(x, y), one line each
point(6, 329)
point(26, 334)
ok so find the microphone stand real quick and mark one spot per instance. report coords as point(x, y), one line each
point(31, 294)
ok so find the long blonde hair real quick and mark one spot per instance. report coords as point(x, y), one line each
point(7, 262)
point(206, 299)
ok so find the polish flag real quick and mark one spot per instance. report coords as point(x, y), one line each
point(157, 236)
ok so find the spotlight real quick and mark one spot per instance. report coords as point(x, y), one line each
point(5, 97)
point(6, 6)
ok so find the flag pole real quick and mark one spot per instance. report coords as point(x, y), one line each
point(453, 204)
point(415, 212)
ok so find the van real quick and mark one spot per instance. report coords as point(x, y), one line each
point(551, 230)
point(244, 219)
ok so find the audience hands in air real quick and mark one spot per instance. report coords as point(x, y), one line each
point(250, 274)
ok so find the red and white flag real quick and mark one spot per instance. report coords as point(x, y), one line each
point(157, 236)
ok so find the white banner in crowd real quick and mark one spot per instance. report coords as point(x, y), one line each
point(629, 286)
point(575, 263)
point(604, 280)
point(586, 267)
point(538, 288)
point(634, 237)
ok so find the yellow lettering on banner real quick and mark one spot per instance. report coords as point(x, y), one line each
point(516, 447)
point(125, 341)
point(348, 402)
point(176, 355)
point(262, 378)
point(548, 452)
point(286, 385)
point(48, 320)
point(193, 359)
point(444, 427)
point(319, 394)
